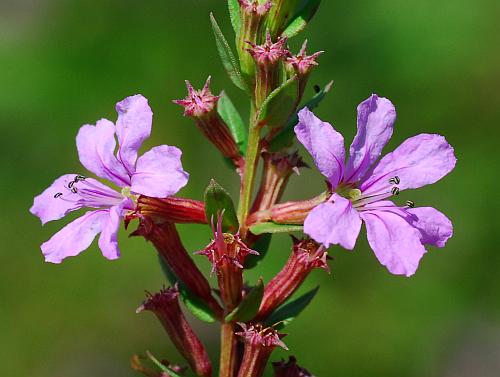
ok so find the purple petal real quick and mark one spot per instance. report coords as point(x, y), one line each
point(418, 161)
point(108, 241)
point(96, 146)
point(334, 223)
point(159, 172)
point(435, 227)
point(325, 145)
point(376, 116)
point(74, 237)
point(132, 127)
point(47, 208)
point(395, 242)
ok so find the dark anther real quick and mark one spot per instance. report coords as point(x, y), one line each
point(74, 190)
point(395, 191)
point(70, 185)
point(317, 89)
point(410, 204)
point(79, 178)
point(58, 195)
point(395, 181)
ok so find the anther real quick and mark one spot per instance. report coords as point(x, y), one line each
point(395, 180)
point(74, 190)
point(79, 178)
point(58, 195)
point(395, 191)
point(70, 185)
point(410, 204)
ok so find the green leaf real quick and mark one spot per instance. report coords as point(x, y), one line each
point(218, 201)
point(285, 138)
point(232, 118)
point(228, 60)
point(286, 313)
point(192, 302)
point(162, 367)
point(302, 18)
point(278, 106)
point(249, 306)
point(271, 227)
point(234, 14)
point(261, 246)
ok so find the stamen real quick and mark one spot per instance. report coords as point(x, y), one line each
point(410, 204)
point(395, 180)
point(74, 190)
point(395, 191)
point(79, 178)
point(58, 195)
point(354, 194)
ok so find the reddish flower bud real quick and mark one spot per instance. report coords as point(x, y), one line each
point(165, 238)
point(289, 369)
point(302, 63)
point(259, 344)
point(201, 105)
point(254, 7)
point(306, 255)
point(172, 209)
point(227, 253)
point(165, 305)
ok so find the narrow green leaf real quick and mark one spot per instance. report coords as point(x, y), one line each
point(162, 367)
point(217, 201)
point(249, 306)
point(302, 18)
point(278, 106)
point(261, 246)
point(228, 60)
point(286, 313)
point(270, 227)
point(232, 117)
point(234, 14)
point(192, 302)
point(285, 138)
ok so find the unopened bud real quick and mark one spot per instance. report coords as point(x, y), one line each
point(289, 369)
point(165, 305)
point(280, 15)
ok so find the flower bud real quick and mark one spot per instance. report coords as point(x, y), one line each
point(280, 15)
point(165, 238)
point(201, 105)
point(259, 344)
point(306, 255)
point(289, 369)
point(165, 305)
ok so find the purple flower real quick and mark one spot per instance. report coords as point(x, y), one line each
point(362, 184)
point(157, 173)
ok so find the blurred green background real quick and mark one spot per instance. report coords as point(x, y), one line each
point(66, 63)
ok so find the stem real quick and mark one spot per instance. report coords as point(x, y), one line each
point(228, 351)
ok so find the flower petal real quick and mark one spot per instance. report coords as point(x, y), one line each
point(395, 242)
point(334, 223)
point(108, 240)
point(47, 207)
point(96, 146)
point(159, 172)
point(133, 126)
point(434, 226)
point(325, 145)
point(418, 161)
point(74, 237)
point(376, 116)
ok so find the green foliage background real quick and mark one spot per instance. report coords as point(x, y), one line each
point(66, 63)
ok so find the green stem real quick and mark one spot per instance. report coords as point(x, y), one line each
point(228, 351)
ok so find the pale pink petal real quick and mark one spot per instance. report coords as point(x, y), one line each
point(108, 240)
point(334, 222)
point(395, 242)
point(418, 161)
point(159, 172)
point(74, 237)
point(434, 226)
point(376, 117)
point(96, 146)
point(49, 206)
point(325, 145)
point(133, 126)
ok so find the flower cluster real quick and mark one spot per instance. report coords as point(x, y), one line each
point(360, 188)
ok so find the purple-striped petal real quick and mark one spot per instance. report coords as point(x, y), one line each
point(376, 117)
point(396, 243)
point(325, 145)
point(435, 227)
point(159, 172)
point(96, 146)
point(74, 237)
point(133, 126)
point(334, 222)
point(418, 161)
